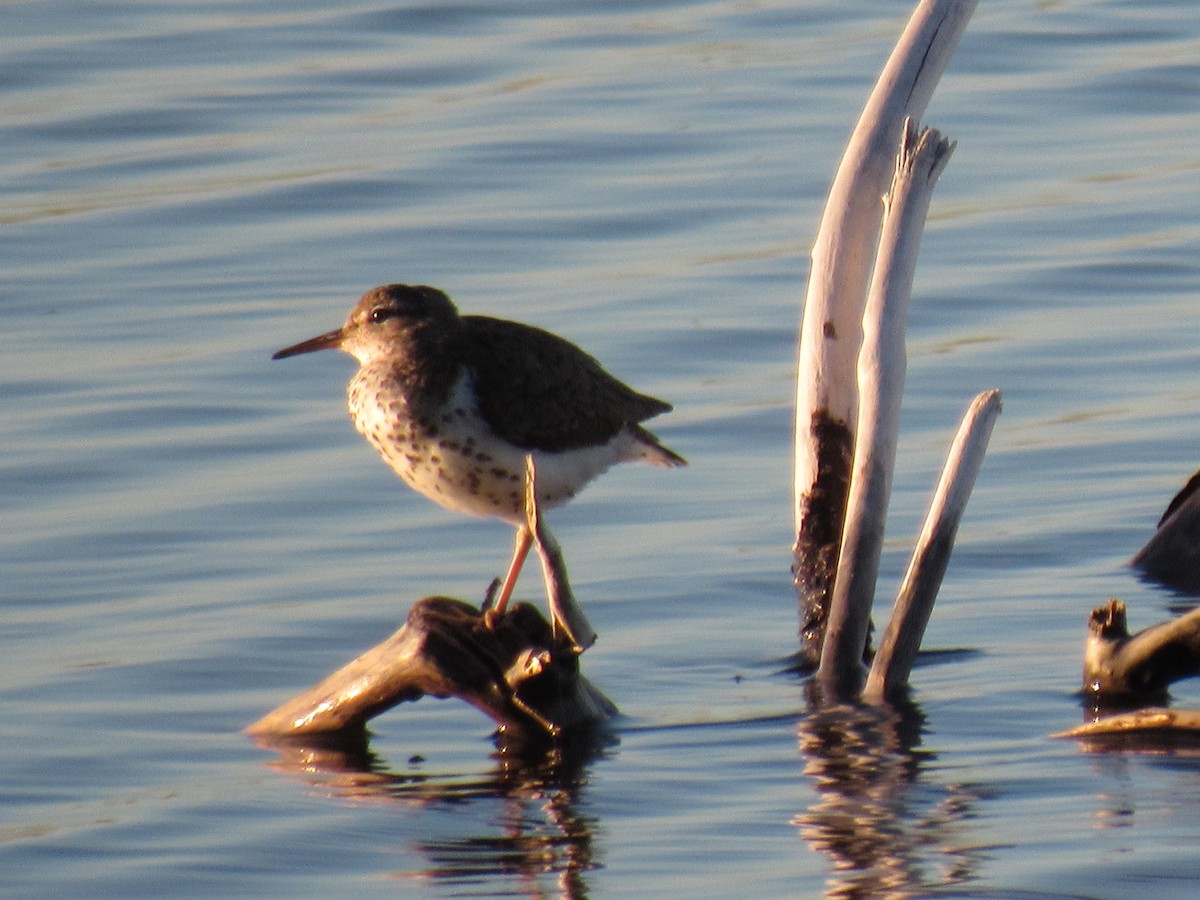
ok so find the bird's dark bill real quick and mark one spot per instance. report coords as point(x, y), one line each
point(325, 341)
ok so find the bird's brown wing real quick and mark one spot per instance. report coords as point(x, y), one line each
point(541, 392)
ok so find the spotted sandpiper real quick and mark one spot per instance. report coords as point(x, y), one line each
point(455, 403)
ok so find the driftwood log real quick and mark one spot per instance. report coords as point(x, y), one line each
point(512, 669)
point(1120, 668)
point(517, 668)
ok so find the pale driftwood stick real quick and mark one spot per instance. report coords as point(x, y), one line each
point(1150, 721)
point(830, 335)
point(881, 367)
point(514, 667)
point(1172, 555)
point(1119, 668)
point(898, 647)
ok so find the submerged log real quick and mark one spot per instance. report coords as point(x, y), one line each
point(1172, 555)
point(517, 668)
point(1153, 722)
point(1119, 668)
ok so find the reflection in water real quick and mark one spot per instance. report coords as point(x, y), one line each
point(1116, 803)
point(887, 834)
point(1116, 799)
point(540, 833)
point(887, 828)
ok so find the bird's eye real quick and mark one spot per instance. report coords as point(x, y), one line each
point(381, 314)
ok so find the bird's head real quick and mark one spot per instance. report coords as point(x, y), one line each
point(382, 321)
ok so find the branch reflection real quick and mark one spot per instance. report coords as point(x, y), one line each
point(538, 838)
point(887, 832)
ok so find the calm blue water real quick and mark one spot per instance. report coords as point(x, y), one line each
point(193, 534)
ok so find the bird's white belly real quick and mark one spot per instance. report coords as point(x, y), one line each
point(458, 462)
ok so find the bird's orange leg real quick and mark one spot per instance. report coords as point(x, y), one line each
point(520, 551)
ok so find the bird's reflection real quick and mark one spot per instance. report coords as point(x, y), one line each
point(887, 833)
point(539, 838)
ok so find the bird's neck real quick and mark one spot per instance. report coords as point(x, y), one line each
point(424, 366)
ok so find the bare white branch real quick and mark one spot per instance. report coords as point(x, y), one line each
point(844, 249)
point(905, 630)
point(882, 364)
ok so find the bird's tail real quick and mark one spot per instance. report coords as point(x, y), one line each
point(655, 453)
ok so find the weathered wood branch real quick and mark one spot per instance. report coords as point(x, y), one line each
point(511, 669)
point(831, 330)
point(898, 647)
point(882, 362)
point(517, 668)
